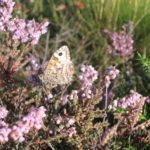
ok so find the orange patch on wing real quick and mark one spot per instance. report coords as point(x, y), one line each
point(52, 63)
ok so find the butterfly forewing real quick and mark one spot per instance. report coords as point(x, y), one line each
point(59, 70)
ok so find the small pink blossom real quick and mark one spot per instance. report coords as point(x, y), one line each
point(111, 74)
point(27, 30)
point(71, 131)
point(121, 42)
point(71, 121)
point(3, 112)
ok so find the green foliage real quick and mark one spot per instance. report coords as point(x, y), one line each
point(145, 63)
point(82, 29)
point(130, 148)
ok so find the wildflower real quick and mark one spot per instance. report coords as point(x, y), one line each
point(71, 131)
point(58, 119)
point(3, 124)
point(122, 42)
point(33, 71)
point(49, 98)
point(3, 112)
point(130, 101)
point(64, 99)
point(50, 131)
point(31, 120)
point(4, 134)
point(71, 121)
point(6, 8)
point(111, 74)
point(148, 99)
point(87, 77)
point(27, 31)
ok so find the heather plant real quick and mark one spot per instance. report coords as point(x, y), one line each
point(99, 110)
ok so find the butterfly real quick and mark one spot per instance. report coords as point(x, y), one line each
point(59, 70)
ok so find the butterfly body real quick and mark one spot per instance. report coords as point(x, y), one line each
point(59, 70)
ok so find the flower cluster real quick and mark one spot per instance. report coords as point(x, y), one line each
point(49, 98)
point(130, 101)
point(148, 99)
point(110, 74)
point(22, 127)
point(3, 112)
point(21, 30)
point(122, 42)
point(33, 70)
point(87, 77)
point(74, 95)
point(27, 31)
point(65, 125)
point(6, 8)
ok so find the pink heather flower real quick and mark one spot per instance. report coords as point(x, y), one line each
point(87, 78)
point(148, 99)
point(58, 119)
point(129, 101)
point(6, 8)
point(4, 134)
point(3, 124)
point(50, 131)
point(3, 112)
point(71, 131)
point(111, 74)
point(71, 121)
point(27, 31)
point(32, 120)
point(122, 42)
point(88, 75)
point(49, 98)
point(22, 127)
point(64, 99)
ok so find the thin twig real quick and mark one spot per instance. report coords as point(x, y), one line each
point(49, 139)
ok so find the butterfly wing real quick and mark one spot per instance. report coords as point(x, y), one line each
point(59, 69)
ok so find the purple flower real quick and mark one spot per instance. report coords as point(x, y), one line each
point(111, 73)
point(27, 30)
point(71, 121)
point(33, 71)
point(87, 78)
point(130, 101)
point(148, 99)
point(49, 98)
point(121, 42)
point(64, 99)
point(3, 112)
point(6, 8)
point(58, 120)
point(32, 120)
point(71, 131)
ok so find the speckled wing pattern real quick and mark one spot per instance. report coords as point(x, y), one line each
point(59, 70)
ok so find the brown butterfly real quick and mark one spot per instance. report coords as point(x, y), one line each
point(59, 70)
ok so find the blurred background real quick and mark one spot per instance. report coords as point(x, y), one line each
point(81, 25)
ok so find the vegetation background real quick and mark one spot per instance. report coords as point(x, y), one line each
point(81, 25)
